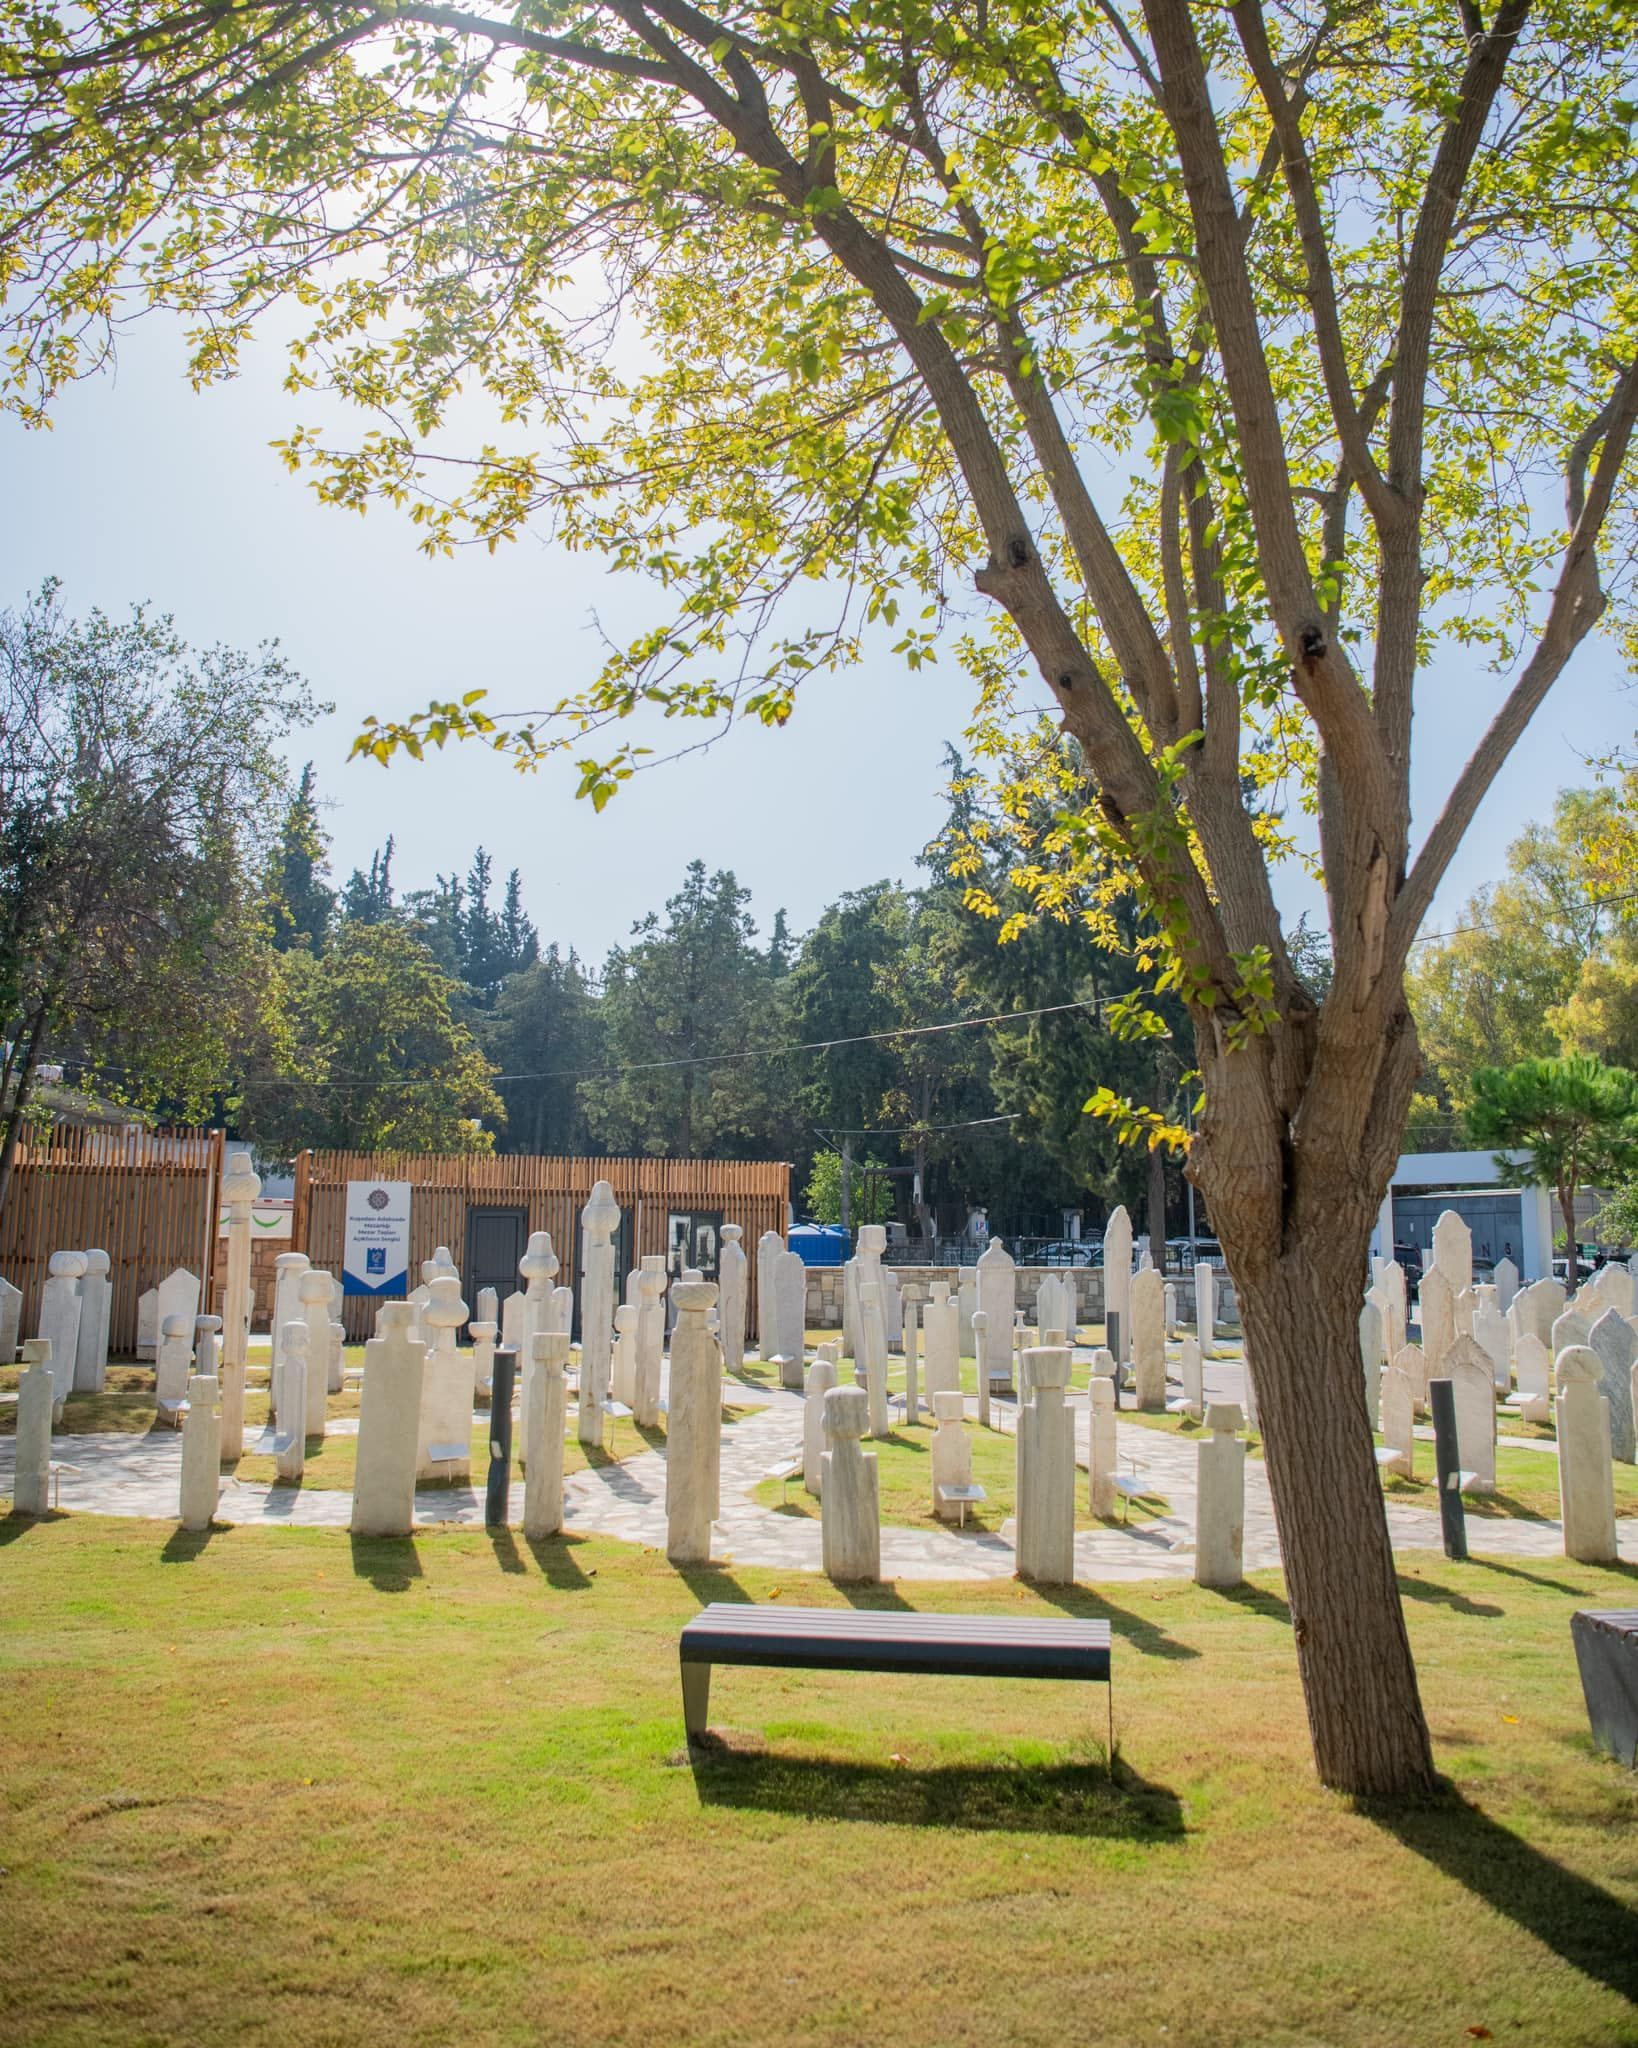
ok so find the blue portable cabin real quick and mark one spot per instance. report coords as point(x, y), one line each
point(821, 1244)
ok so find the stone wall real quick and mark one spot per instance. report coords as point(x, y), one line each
point(825, 1291)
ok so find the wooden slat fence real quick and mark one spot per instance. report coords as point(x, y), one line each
point(146, 1198)
point(753, 1193)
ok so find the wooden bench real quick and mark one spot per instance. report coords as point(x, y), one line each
point(867, 1639)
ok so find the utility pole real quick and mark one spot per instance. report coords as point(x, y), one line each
point(847, 1181)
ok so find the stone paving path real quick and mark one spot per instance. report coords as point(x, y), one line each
point(139, 1475)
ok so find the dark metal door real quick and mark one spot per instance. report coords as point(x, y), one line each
point(495, 1241)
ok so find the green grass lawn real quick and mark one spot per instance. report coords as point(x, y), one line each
point(1526, 1485)
point(905, 1482)
point(263, 1786)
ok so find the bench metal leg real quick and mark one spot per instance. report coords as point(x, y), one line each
point(696, 1690)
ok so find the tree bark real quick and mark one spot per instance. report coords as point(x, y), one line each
point(1157, 1208)
point(1300, 1275)
point(25, 1069)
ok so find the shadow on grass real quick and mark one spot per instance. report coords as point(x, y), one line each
point(389, 1563)
point(555, 1555)
point(1577, 1919)
point(182, 1546)
point(878, 1598)
point(1541, 1578)
point(14, 1524)
point(505, 1546)
point(1148, 1638)
point(1064, 1799)
point(1255, 1600)
point(1431, 1592)
point(708, 1582)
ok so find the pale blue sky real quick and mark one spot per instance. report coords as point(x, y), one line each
point(145, 489)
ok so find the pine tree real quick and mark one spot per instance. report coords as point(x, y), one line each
point(367, 898)
point(300, 902)
point(520, 942)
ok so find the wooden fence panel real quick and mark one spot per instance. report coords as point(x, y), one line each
point(146, 1198)
point(752, 1193)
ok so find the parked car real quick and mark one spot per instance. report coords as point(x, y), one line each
point(1067, 1251)
point(1183, 1254)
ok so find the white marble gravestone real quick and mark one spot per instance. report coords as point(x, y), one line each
point(966, 1308)
point(1220, 1502)
point(1536, 1308)
point(290, 1438)
point(314, 1297)
point(201, 1485)
point(790, 1291)
point(11, 1321)
point(1453, 1251)
point(732, 1280)
point(543, 1453)
point(952, 1453)
point(1400, 1401)
point(288, 1268)
point(1100, 1449)
point(997, 1292)
point(1613, 1339)
point(651, 1281)
point(1491, 1334)
point(693, 1441)
point(1148, 1345)
point(1586, 1473)
point(147, 1343)
point(60, 1320)
point(172, 1367)
point(941, 1332)
point(1473, 1388)
point(873, 1357)
point(849, 1497)
point(625, 1355)
point(179, 1295)
point(36, 1390)
point(1045, 1543)
point(821, 1378)
point(768, 1248)
point(599, 1220)
point(1390, 1284)
point(1193, 1378)
point(448, 1388)
point(96, 1305)
point(389, 1421)
point(1117, 1278)
point(1372, 1356)
point(1438, 1319)
point(1205, 1307)
point(1506, 1281)
point(981, 1338)
point(1533, 1368)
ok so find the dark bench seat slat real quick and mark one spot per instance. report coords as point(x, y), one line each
point(830, 1639)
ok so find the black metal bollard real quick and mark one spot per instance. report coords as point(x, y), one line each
point(497, 1498)
point(1448, 1465)
point(1111, 1334)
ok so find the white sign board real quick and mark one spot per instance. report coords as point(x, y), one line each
point(375, 1246)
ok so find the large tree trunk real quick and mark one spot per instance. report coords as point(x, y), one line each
point(1296, 1146)
point(1301, 1322)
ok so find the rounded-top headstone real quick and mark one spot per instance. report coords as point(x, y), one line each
point(871, 1237)
point(241, 1182)
point(601, 1215)
point(207, 1324)
point(695, 1294)
point(539, 1262)
point(67, 1265)
point(625, 1316)
point(732, 1232)
point(441, 1258)
point(949, 1405)
point(97, 1262)
point(294, 1339)
point(315, 1285)
point(395, 1318)
point(939, 1290)
point(481, 1332)
point(176, 1326)
point(651, 1281)
point(1224, 1416)
point(847, 1412)
point(291, 1262)
point(1102, 1392)
point(1577, 1362)
point(446, 1310)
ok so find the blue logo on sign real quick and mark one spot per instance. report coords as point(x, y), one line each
point(375, 1258)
